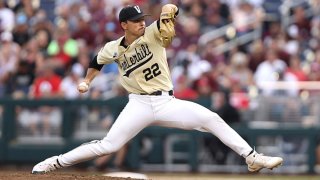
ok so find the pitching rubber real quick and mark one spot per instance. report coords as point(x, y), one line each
point(126, 175)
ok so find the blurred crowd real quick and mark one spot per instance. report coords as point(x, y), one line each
point(46, 47)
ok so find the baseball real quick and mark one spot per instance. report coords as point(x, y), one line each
point(83, 87)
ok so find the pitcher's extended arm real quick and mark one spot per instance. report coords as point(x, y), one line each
point(93, 71)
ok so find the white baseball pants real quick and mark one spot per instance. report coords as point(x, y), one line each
point(144, 110)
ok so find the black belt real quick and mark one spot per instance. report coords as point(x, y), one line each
point(158, 93)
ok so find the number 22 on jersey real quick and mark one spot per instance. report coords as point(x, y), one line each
point(153, 71)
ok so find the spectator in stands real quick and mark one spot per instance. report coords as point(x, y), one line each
point(63, 48)
point(9, 59)
point(292, 75)
point(239, 79)
point(47, 85)
point(220, 7)
point(190, 64)
point(256, 55)
point(272, 32)
point(190, 33)
point(302, 22)
point(296, 70)
point(21, 32)
point(70, 82)
point(270, 70)
point(21, 80)
point(315, 32)
point(315, 5)
point(219, 74)
point(278, 45)
point(43, 37)
point(239, 71)
point(314, 74)
point(212, 54)
point(197, 11)
point(216, 15)
point(292, 44)
point(63, 11)
point(109, 32)
point(83, 31)
point(84, 54)
point(182, 89)
point(40, 22)
point(213, 21)
point(26, 7)
point(7, 20)
point(246, 17)
point(205, 86)
point(32, 56)
point(96, 9)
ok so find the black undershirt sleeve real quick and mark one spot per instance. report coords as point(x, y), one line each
point(158, 24)
point(94, 64)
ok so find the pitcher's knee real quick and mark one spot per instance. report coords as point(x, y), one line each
point(109, 147)
point(215, 117)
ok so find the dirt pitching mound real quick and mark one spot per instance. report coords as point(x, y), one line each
point(11, 175)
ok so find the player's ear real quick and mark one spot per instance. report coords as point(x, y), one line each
point(124, 25)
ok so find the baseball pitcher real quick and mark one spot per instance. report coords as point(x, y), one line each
point(144, 73)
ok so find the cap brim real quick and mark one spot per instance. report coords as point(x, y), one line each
point(139, 16)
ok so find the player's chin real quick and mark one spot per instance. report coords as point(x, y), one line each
point(141, 32)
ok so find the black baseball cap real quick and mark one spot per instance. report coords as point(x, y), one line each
point(131, 13)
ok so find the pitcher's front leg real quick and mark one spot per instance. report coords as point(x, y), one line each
point(189, 115)
point(134, 117)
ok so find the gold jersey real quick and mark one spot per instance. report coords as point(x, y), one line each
point(143, 66)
